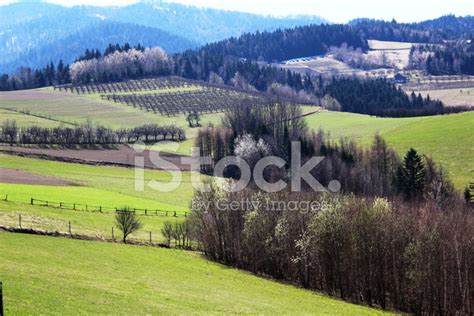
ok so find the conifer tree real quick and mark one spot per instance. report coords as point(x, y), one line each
point(413, 175)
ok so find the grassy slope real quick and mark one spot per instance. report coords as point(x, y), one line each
point(98, 278)
point(24, 120)
point(448, 139)
point(83, 223)
point(99, 185)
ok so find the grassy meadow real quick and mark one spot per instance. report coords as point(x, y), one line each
point(452, 97)
point(109, 187)
point(95, 278)
point(83, 223)
point(446, 138)
point(96, 185)
point(23, 119)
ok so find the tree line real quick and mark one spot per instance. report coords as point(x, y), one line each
point(27, 78)
point(382, 98)
point(86, 134)
point(110, 49)
point(448, 27)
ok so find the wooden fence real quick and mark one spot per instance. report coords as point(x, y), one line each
point(99, 208)
point(103, 209)
point(471, 190)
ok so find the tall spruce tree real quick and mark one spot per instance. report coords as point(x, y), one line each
point(413, 175)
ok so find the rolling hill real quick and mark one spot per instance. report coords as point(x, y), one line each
point(447, 138)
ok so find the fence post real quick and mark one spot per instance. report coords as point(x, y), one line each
point(1, 298)
point(6, 198)
point(19, 219)
point(31, 201)
point(174, 214)
point(70, 233)
point(150, 237)
point(113, 237)
point(100, 208)
point(145, 212)
point(74, 206)
point(60, 204)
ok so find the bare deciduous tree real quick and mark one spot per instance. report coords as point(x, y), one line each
point(127, 221)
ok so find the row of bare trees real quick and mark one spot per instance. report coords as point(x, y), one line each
point(87, 134)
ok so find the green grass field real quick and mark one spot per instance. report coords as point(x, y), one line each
point(57, 276)
point(83, 223)
point(97, 185)
point(109, 187)
point(448, 138)
point(25, 120)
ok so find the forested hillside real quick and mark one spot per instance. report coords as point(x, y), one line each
point(99, 35)
point(286, 44)
point(449, 59)
point(447, 27)
point(33, 32)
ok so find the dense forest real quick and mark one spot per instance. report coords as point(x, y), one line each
point(95, 35)
point(381, 98)
point(449, 59)
point(286, 44)
point(27, 78)
point(447, 27)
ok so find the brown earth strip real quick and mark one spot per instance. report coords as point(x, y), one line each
point(21, 177)
point(122, 156)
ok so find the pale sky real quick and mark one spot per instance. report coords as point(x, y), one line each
point(332, 10)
